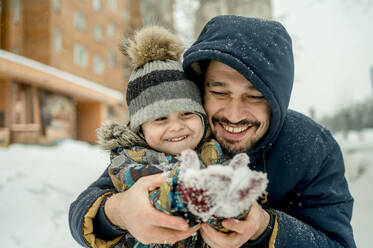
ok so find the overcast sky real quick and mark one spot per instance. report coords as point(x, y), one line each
point(333, 42)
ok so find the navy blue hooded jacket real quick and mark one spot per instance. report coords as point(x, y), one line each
point(307, 188)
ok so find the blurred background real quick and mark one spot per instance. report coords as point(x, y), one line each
point(62, 75)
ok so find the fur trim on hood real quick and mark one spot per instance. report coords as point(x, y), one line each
point(112, 135)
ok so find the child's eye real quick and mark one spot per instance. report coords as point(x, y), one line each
point(163, 118)
point(188, 113)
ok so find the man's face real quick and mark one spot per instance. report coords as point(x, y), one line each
point(238, 114)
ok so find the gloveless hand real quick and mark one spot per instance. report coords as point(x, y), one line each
point(249, 229)
point(131, 210)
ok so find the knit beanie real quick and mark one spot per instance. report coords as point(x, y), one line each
point(158, 85)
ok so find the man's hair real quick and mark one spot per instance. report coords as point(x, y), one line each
point(204, 64)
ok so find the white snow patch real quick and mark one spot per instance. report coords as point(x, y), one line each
point(357, 150)
point(37, 185)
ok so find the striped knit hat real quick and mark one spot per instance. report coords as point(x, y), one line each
point(158, 85)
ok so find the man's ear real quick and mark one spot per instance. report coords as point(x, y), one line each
point(196, 67)
point(197, 74)
point(204, 64)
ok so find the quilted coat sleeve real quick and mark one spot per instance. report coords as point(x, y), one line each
point(321, 209)
point(85, 211)
point(88, 223)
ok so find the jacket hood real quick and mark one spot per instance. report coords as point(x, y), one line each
point(261, 50)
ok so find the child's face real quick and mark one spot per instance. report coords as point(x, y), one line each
point(174, 133)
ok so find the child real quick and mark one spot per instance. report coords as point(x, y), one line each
point(166, 118)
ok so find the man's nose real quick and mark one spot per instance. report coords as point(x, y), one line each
point(235, 110)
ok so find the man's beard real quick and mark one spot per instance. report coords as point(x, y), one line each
point(228, 145)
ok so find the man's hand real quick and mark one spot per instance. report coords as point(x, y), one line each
point(131, 210)
point(249, 229)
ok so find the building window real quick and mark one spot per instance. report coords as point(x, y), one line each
point(79, 21)
point(111, 30)
point(112, 4)
point(112, 59)
point(15, 11)
point(57, 5)
point(125, 15)
point(57, 40)
point(98, 64)
point(97, 33)
point(97, 5)
point(16, 49)
point(80, 55)
point(2, 119)
point(22, 106)
point(126, 68)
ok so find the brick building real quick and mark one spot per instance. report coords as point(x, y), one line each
point(61, 71)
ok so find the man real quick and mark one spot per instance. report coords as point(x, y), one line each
point(247, 69)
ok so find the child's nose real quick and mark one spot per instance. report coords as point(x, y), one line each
point(176, 125)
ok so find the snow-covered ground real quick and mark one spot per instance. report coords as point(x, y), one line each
point(37, 184)
point(358, 154)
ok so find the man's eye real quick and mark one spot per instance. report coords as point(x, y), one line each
point(255, 97)
point(218, 93)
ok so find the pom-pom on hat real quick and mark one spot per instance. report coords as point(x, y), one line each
point(158, 85)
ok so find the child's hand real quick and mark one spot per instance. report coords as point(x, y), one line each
point(131, 210)
point(219, 191)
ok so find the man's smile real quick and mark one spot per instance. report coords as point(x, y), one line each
point(232, 133)
point(235, 130)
